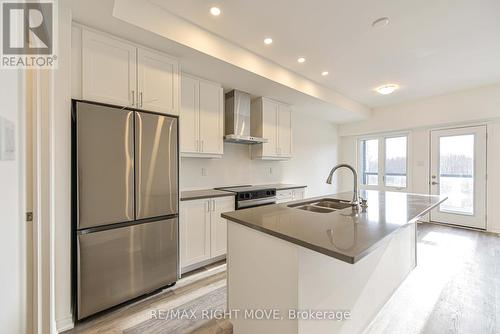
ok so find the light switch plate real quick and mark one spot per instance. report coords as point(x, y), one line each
point(7, 140)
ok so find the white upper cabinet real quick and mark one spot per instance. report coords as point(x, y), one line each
point(270, 127)
point(284, 131)
point(273, 121)
point(211, 118)
point(108, 69)
point(201, 118)
point(189, 117)
point(121, 73)
point(157, 82)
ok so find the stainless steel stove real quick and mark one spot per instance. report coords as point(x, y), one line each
point(247, 196)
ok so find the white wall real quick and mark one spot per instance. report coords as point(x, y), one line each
point(476, 106)
point(13, 305)
point(314, 154)
point(61, 176)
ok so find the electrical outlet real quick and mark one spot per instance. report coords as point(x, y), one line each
point(204, 172)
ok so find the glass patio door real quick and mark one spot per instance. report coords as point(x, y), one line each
point(458, 171)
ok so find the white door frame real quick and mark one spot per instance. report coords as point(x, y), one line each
point(478, 218)
point(42, 307)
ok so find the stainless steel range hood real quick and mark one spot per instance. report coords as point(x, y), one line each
point(237, 119)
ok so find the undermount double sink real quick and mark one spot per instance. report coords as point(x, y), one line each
point(324, 205)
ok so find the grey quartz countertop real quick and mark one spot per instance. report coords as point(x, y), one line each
point(205, 193)
point(347, 235)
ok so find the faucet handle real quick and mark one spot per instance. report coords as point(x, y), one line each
point(364, 202)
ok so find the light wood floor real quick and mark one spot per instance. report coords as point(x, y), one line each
point(188, 289)
point(454, 289)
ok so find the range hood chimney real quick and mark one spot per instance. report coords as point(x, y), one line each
point(237, 119)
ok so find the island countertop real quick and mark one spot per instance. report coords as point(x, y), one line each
point(347, 235)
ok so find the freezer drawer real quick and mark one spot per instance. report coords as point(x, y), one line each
point(105, 165)
point(156, 165)
point(122, 263)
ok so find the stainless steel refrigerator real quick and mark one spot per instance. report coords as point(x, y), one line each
point(125, 204)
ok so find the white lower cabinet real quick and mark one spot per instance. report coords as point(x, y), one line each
point(218, 240)
point(194, 232)
point(287, 195)
point(298, 194)
point(202, 231)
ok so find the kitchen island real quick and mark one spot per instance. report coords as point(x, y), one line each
point(303, 267)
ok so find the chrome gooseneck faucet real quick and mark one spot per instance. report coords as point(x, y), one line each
point(355, 196)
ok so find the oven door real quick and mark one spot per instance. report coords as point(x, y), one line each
point(250, 203)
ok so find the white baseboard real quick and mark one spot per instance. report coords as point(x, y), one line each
point(195, 266)
point(64, 324)
point(495, 231)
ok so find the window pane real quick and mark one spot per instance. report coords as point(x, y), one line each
point(395, 162)
point(456, 173)
point(369, 158)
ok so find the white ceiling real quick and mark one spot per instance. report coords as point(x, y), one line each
point(98, 14)
point(430, 47)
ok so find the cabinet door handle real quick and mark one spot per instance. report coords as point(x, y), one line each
point(213, 205)
point(202, 145)
point(133, 97)
point(207, 206)
point(140, 96)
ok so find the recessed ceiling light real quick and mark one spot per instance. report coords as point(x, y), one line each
point(324, 73)
point(268, 40)
point(386, 89)
point(381, 22)
point(301, 60)
point(215, 11)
